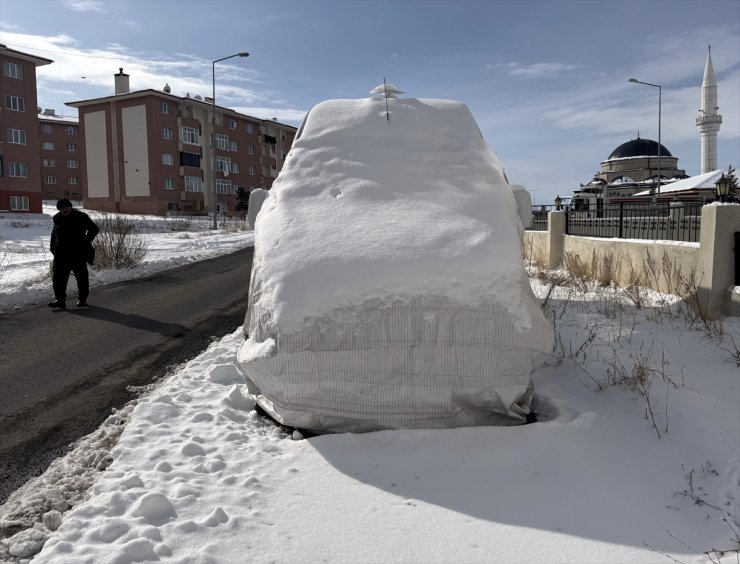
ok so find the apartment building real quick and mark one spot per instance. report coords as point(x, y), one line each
point(151, 151)
point(20, 159)
point(59, 138)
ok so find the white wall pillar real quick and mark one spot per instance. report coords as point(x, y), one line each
point(716, 265)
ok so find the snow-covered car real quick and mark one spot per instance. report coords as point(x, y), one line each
point(388, 289)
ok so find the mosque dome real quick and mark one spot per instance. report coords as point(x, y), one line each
point(639, 148)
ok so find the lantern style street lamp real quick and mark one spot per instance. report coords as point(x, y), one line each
point(558, 203)
point(213, 133)
point(722, 187)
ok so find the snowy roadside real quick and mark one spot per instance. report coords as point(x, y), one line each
point(197, 475)
point(171, 242)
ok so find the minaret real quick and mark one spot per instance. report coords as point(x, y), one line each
point(709, 120)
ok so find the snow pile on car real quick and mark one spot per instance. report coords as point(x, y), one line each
point(387, 288)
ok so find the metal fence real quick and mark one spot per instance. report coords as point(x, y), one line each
point(662, 222)
point(539, 217)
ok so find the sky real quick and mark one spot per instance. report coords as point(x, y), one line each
point(194, 473)
point(547, 81)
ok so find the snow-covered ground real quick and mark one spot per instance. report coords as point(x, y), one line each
point(25, 258)
point(190, 472)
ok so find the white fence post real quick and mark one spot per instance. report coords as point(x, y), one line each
point(716, 256)
point(555, 233)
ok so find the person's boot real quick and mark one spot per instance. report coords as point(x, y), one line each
point(58, 304)
point(81, 303)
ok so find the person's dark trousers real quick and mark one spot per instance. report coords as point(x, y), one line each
point(62, 268)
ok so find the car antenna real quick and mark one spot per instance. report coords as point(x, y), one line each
point(385, 91)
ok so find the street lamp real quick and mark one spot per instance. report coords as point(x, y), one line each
point(722, 188)
point(558, 202)
point(213, 133)
point(660, 100)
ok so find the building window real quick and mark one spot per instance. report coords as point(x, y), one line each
point(72, 164)
point(223, 164)
point(17, 136)
point(70, 130)
point(168, 159)
point(71, 146)
point(47, 128)
point(190, 135)
point(235, 168)
point(232, 124)
point(250, 128)
point(164, 108)
point(18, 170)
point(13, 70)
point(167, 133)
point(50, 179)
point(222, 141)
point(19, 203)
point(190, 159)
point(233, 146)
point(169, 183)
point(50, 162)
point(48, 145)
point(250, 149)
point(252, 170)
point(224, 186)
point(193, 184)
point(73, 180)
point(15, 103)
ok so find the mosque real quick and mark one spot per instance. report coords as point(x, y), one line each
point(632, 170)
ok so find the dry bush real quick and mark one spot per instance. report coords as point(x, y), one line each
point(179, 224)
point(530, 254)
point(3, 263)
point(639, 377)
point(579, 272)
point(607, 269)
point(234, 226)
point(118, 245)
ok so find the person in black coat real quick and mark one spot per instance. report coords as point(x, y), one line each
point(71, 245)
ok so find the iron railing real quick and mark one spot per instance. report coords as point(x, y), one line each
point(539, 217)
point(675, 222)
point(656, 222)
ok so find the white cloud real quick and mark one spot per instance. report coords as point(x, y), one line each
point(540, 70)
point(9, 27)
point(84, 5)
point(288, 116)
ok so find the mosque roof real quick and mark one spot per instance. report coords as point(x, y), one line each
point(639, 148)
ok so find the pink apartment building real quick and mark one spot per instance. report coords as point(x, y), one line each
point(60, 148)
point(150, 152)
point(20, 159)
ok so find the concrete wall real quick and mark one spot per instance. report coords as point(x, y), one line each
point(707, 267)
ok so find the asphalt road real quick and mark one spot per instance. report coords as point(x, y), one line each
point(62, 371)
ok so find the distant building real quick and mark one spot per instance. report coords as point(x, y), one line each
point(630, 168)
point(20, 170)
point(60, 147)
point(150, 152)
point(631, 171)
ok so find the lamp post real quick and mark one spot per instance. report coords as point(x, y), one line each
point(213, 133)
point(558, 203)
point(660, 102)
point(722, 188)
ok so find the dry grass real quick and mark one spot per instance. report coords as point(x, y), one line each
point(118, 245)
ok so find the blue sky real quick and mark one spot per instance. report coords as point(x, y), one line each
point(546, 80)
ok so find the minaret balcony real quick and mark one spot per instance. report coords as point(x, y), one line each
point(709, 120)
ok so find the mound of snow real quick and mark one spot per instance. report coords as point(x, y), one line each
point(387, 286)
